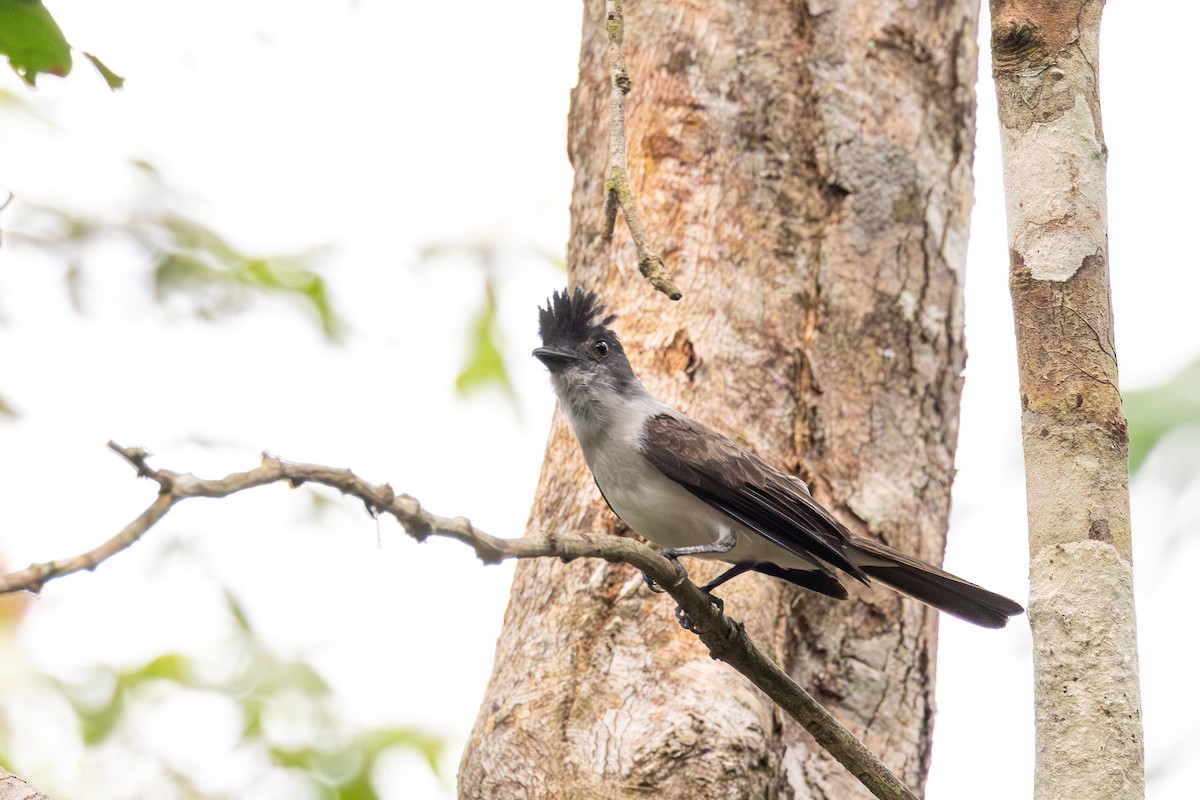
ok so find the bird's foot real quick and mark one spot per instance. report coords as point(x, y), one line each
point(651, 585)
point(680, 575)
point(685, 620)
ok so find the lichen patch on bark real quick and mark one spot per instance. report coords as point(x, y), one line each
point(1055, 171)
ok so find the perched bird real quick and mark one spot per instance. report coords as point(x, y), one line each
point(694, 492)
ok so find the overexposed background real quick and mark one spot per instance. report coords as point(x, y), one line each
point(375, 131)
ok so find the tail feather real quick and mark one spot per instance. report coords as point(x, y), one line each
point(935, 587)
point(811, 579)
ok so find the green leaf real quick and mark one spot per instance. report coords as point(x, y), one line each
point(317, 295)
point(1153, 413)
point(32, 40)
point(290, 276)
point(113, 80)
point(485, 365)
point(198, 257)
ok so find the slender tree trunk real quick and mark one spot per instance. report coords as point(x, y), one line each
point(1089, 729)
point(806, 171)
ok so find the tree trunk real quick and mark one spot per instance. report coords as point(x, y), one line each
point(806, 171)
point(1089, 730)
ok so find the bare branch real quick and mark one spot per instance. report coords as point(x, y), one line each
point(15, 788)
point(618, 194)
point(725, 639)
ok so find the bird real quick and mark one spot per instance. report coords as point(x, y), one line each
point(694, 492)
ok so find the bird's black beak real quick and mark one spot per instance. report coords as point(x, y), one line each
point(552, 358)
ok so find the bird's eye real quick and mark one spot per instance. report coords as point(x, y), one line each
point(601, 348)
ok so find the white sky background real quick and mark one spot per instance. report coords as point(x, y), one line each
point(381, 127)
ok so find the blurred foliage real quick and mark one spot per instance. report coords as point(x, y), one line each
point(1155, 412)
point(190, 260)
point(195, 261)
point(287, 714)
point(34, 44)
point(485, 365)
point(289, 720)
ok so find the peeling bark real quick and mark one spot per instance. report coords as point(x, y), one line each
point(1089, 732)
point(807, 172)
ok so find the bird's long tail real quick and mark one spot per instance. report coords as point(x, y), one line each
point(931, 585)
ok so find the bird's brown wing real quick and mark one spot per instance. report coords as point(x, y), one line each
point(780, 508)
point(774, 505)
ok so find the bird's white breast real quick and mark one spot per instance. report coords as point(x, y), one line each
point(657, 507)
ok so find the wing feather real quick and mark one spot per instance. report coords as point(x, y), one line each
point(771, 503)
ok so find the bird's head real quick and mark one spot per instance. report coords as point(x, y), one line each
point(586, 361)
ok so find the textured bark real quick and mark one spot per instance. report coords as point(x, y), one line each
point(1089, 731)
point(14, 788)
point(806, 172)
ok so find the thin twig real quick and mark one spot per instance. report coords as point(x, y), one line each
point(618, 194)
point(725, 639)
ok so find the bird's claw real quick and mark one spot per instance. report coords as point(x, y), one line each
point(680, 573)
point(716, 601)
point(685, 620)
point(651, 585)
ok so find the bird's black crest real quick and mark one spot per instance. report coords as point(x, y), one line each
point(572, 317)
